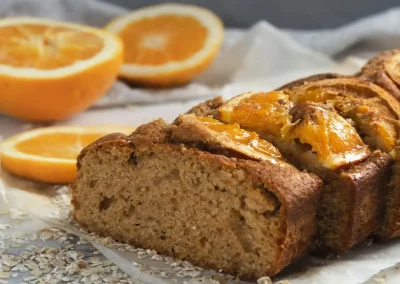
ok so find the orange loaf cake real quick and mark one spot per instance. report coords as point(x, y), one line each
point(250, 184)
point(199, 190)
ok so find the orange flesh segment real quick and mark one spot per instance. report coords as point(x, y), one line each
point(327, 132)
point(45, 47)
point(261, 112)
point(162, 39)
point(253, 143)
point(57, 145)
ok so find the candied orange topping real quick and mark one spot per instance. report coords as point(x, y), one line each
point(371, 114)
point(332, 137)
point(261, 112)
point(244, 141)
point(329, 134)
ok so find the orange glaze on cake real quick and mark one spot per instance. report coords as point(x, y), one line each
point(266, 112)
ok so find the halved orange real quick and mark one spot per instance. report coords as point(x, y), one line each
point(50, 70)
point(167, 44)
point(49, 154)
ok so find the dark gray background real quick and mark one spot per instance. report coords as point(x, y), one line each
point(294, 14)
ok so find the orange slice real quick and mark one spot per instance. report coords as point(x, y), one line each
point(50, 70)
point(167, 44)
point(239, 140)
point(49, 154)
point(261, 112)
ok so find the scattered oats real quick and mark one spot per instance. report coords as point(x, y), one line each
point(379, 279)
point(36, 272)
point(94, 277)
point(72, 268)
point(22, 240)
point(142, 254)
point(72, 254)
point(14, 274)
point(62, 239)
point(169, 259)
point(96, 252)
point(190, 273)
point(187, 263)
point(9, 262)
point(22, 268)
point(32, 265)
point(5, 226)
point(176, 263)
point(3, 245)
point(5, 275)
point(107, 262)
point(4, 236)
point(157, 257)
point(40, 250)
point(16, 214)
point(164, 274)
point(264, 280)
point(6, 268)
point(30, 278)
point(45, 235)
point(151, 252)
point(17, 235)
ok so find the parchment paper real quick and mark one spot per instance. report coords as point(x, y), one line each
point(260, 58)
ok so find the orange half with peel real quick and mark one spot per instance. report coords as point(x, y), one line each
point(167, 44)
point(50, 70)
